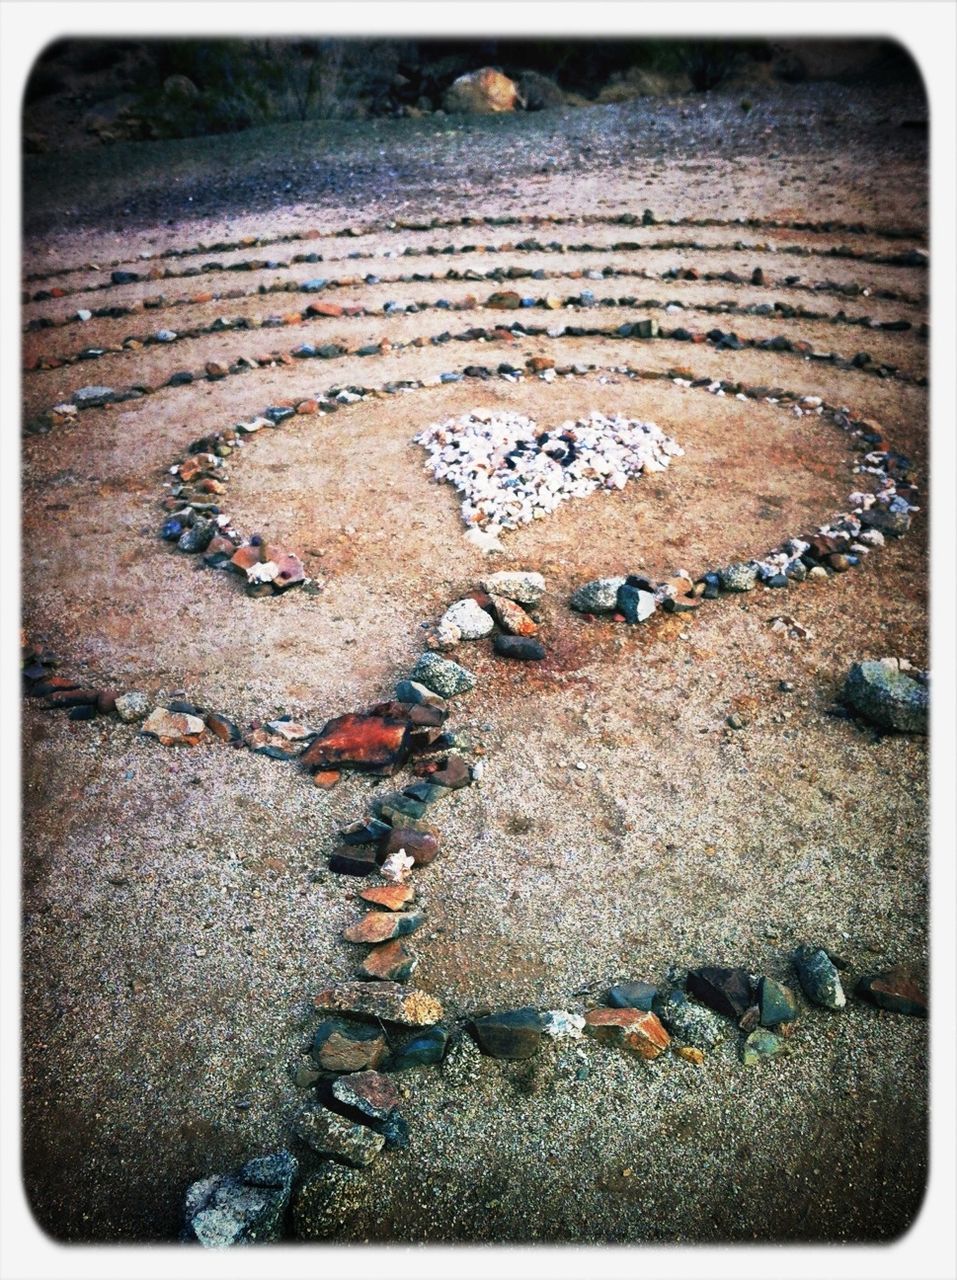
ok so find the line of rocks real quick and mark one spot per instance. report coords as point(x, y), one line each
point(647, 219)
point(332, 310)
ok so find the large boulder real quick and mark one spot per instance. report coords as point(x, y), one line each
point(481, 93)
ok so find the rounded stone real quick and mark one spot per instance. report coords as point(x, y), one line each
point(469, 617)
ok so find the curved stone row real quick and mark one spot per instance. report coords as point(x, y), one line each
point(647, 219)
point(911, 258)
point(94, 396)
point(551, 302)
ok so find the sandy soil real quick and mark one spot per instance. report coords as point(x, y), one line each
point(178, 914)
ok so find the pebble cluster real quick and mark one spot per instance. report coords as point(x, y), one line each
point(511, 471)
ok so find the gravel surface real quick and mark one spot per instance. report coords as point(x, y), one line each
point(178, 912)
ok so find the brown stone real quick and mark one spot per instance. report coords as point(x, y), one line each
point(380, 926)
point(454, 774)
point(631, 1029)
point(307, 406)
point(220, 546)
point(326, 779)
point(896, 990)
point(511, 617)
point(537, 364)
point(291, 569)
point(221, 727)
point(332, 309)
point(391, 896)
point(508, 300)
point(388, 1001)
point(200, 298)
point(393, 961)
point(216, 369)
point(690, 1054)
point(421, 846)
point(106, 701)
point(196, 465)
point(344, 1046)
point(376, 744)
point(370, 1092)
point(174, 729)
point(65, 698)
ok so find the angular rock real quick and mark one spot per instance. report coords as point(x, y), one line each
point(896, 990)
point(380, 926)
point(693, 1023)
point(354, 860)
point(374, 744)
point(761, 1044)
point(442, 676)
point(92, 397)
point(418, 695)
point(330, 1135)
point(634, 604)
point(427, 793)
point(471, 620)
point(421, 846)
point(454, 774)
point(244, 1208)
point(519, 648)
point(518, 585)
point(888, 698)
point(222, 728)
point(132, 706)
point(511, 617)
point(776, 1003)
point(515, 1034)
point(174, 729)
point(727, 991)
point(421, 1051)
point(348, 1046)
point(388, 1001)
point(690, 1054)
point(391, 896)
point(274, 745)
point(632, 995)
point(632, 1029)
point(365, 831)
point(819, 979)
point(391, 962)
point(598, 596)
point(370, 1092)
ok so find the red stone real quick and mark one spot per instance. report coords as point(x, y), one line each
point(454, 775)
point(326, 779)
point(376, 744)
point(421, 846)
point(324, 309)
point(631, 1029)
point(391, 896)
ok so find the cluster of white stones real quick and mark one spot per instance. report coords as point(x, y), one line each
point(511, 471)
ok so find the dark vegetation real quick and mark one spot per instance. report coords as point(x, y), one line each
point(174, 88)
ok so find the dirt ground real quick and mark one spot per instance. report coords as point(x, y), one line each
point(178, 912)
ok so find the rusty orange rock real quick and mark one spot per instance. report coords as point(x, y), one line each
point(391, 896)
point(631, 1029)
point(382, 926)
point(376, 744)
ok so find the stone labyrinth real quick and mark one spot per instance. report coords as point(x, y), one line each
point(543, 381)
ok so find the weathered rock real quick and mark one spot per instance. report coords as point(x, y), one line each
point(471, 620)
point(454, 774)
point(132, 706)
point(688, 1053)
point(761, 1044)
point(634, 604)
point(519, 648)
point(739, 577)
point(693, 1023)
point(326, 779)
point(244, 1208)
point(482, 92)
point(883, 519)
point(442, 676)
point(370, 1092)
point(364, 831)
point(421, 846)
point(388, 1001)
point(173, 729)
point(560, 1024)
point(776, 1003)
point(391, 962)
point(274, 745)
point(512, 618)
point(896, 990)
point(819, 978)
point(348, 1046)
point(374, 744)
point(632, 1029)
point(888, 698)
point(222, 728)
point(632, 995)
point(427, 793)
point(728, 991)
point(391, 896)
point(353, 860)
point(421, 1051)
point(380, 926)
point(330, 1135)
point(418, 695)
point(598, 596)
point(515, 1034)
point(92, 397)
point(514, 584)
